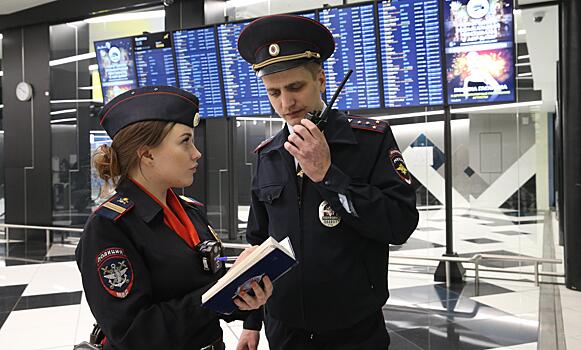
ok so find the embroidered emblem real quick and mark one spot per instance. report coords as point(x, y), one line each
point(327, 215)
point(274, 50)
point(115, 272)
point(399, 166)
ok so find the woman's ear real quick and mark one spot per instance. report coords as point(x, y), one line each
point(144, 154)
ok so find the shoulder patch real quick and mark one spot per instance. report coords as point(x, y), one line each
point(115, 272)
point(192, 201)
point(115, 207)
point(368, 124)
point(263, 143)
point(399, 165)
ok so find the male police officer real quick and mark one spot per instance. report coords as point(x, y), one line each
point(341, 195)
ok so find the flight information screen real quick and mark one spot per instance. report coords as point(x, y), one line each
point(479, 51)
point(245, 94)
point(410, 47)
point(154, 59)
point(355, 48)
point(116, 66)
point(197, 66)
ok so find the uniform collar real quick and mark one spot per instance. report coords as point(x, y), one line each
point(145, 206)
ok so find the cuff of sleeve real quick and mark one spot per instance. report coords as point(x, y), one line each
point(335, 180)
point(254, 320)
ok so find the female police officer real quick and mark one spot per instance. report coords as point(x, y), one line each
point(141, 270)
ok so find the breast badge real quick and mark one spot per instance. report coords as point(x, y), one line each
point(327, 215)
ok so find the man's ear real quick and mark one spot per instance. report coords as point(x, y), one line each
point(322, 79)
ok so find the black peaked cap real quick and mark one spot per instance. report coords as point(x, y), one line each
point(163, 103)
point(280, 42)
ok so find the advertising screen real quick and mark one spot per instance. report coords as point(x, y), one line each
point(116, 66)
point(479, 39)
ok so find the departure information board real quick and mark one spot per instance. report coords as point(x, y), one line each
point(245, 94)
point(197, 66)
point(479, 51)
point(355, 48)
point(116, 66)
point(409, 32)
point(154, 59)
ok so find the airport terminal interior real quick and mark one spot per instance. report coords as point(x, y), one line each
point(509, 285)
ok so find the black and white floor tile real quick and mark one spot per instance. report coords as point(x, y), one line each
point(42, 305)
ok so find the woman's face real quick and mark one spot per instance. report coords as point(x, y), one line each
point(174, 161)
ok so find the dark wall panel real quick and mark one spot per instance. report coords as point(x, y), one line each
point(27, 142)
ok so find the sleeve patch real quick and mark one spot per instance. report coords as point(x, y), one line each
point(368, 124)
point(115, 272)
point(399, 165)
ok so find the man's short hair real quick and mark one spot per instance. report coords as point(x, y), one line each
point(314, 67)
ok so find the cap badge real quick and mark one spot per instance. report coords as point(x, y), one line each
point(274, 50)
point(196, 119)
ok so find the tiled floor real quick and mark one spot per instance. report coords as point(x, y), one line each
point(42, 305)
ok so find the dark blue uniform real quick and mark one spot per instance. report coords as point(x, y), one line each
point(142, 281)
point(340, 282)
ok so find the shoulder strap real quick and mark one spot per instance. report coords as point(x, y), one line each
point(368, 124)
point(115, 207)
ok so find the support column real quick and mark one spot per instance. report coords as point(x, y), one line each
point(571, 88)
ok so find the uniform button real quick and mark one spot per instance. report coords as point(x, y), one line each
point(311, 336)
point(328, 182)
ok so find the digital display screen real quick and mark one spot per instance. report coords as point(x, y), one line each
point(409, 32)
point(116, 66)
point(154, 60)
point(245, 93)
point(479, 39)
point(198, 71)
point(353, 29)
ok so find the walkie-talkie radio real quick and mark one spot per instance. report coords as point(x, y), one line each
point(320, 118)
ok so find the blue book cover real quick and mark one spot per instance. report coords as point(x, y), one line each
point(270, 258)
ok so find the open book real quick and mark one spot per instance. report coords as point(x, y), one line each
point(271, 258)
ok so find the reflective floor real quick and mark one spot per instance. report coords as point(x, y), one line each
point(420, 313)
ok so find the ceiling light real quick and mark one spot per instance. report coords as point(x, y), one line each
point(499, 106)
point(129, 16)
point(242, 3)
point(64, 111)
point(523, 57)
point(408, 115)
point(528, 74)
point(65, 120)
point(522, 32)
point(70, 59)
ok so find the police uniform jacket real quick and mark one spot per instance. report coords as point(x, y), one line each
point(142, 281)
point(341, 277)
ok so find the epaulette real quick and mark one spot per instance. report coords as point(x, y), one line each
point(368, 124)
point(191, 201)
point(262, 144)
point(115, 207)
